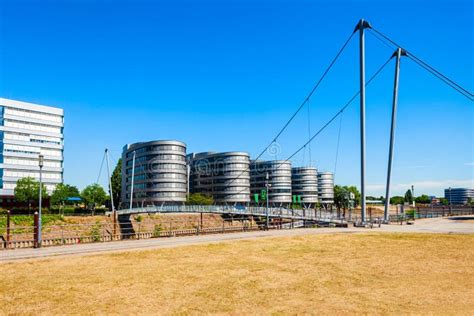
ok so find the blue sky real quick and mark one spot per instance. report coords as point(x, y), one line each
point(226, 75)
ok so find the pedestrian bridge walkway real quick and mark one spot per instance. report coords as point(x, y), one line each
point(273, 212)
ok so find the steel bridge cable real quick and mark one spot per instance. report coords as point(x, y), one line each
point(313, 90)
point(466, 94)
point(428, 67)
point(309, 132)
point(100, 170)
point(338, 113)
point(337, 146)
point(332, 119)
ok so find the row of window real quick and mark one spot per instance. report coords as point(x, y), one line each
point(34, 114)
point(152, 158)
point(157, 148)
point(23, 174)
point(32, 126)
point(31, 162)
point(30, 138)
point(32, 150)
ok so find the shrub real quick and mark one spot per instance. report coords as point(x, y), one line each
point(157, 230)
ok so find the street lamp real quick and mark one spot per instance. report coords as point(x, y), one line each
point(267, 185)
point(40, 163)
point(449, 196)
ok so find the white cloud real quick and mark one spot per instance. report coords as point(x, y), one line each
point(469, 164)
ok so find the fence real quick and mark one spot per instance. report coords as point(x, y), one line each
point(12, 236)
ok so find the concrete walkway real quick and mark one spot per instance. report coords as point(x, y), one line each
point(435, 225)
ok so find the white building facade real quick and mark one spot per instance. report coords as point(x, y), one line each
point(26, 131)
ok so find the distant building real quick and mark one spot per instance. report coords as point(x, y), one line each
point(458, 196)
point(304, 184)
point(326, 187)
point(28, 130)
point(279, 173)
point(160, 173)
point(224, 176)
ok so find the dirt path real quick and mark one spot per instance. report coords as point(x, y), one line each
point(435, 225)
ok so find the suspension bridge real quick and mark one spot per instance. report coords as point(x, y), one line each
point(311, 214)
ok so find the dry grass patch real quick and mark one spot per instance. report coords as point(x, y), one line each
point(340, 273)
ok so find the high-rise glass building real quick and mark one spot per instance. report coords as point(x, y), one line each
point(26, 131)
point(279, 180)
point(458, 196)
point(304, 183)
point(224, 176)
point(160, 173)
point(326, 187)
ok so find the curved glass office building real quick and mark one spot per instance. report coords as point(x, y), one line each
point(459, 196)
point(160, 173)
point(304, 183)
point(224, 176)
point(326, 187)
point(279, 173)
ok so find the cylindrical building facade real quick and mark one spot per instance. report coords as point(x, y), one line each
point(279, 178)
point(304, 183)
point(224, 176)
point(326, 187)
point(160, 173)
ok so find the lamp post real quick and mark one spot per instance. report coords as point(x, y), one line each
point(267, 185)
point(40, 164)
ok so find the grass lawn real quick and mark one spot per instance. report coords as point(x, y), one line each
point(330, 274)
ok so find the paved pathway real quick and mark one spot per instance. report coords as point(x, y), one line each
point(435, 225)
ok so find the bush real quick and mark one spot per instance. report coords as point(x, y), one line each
point(157, 230)
point(95, 232)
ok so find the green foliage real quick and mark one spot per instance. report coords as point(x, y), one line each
point(93, 195)
point(27, 221)
point(117, 183)
point(470, 201)
point(409, 197)
point(396, 200)
point(199, 199)
point(296, 206)
point(342, 196)
point(444, 201)
point(95, 231)
point(157, 230)
point(27, 190)
point(62, 192)
point(423, 199)
point(139, 219)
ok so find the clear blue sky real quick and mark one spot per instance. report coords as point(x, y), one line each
point(226, 75)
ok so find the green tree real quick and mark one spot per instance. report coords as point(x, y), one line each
point(423, 199)
point(27, 191)
point(409, 197)
point(199, 199)
point(93, 195)
point(356, 192)
point(63, 191)
point(395, 200)
point(341, 195)
point(117, 183)
point(443, 201)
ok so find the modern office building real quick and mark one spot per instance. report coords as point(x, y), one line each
point(326, 187)
point(458, 196)
point(160, 173)
point(224, 176)
point(27, 131)
point(279, 179)
point(304, 184)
